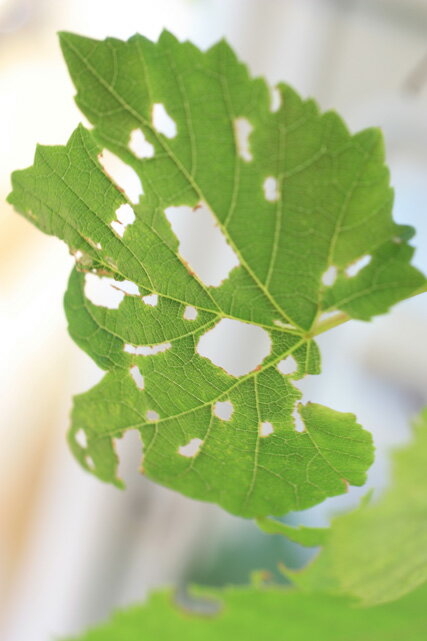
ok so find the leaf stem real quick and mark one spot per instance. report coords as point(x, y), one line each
point(330, 323)
point(340, 318)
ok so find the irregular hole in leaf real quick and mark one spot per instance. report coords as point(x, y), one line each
point(139, 145)
point(265, 429)
point(78, 254)
point(271, 191)
point(288, 365)
point(137, 376)
point(329, 276)
point(129, 451)
point(146, 350)
point(125, 216)
point(191, 449)
point(93, 244)
point(202, 244)
point(301, 386)
point(358, 265)
point(80, 438)
point(328, 315)
point(243, 130)
point(190, 313)
point(280, 323)
point(276, 99)
point(89, 462)
point(297, 419)
point(224, 410)
point(103, 291)
point(152, 415)
point(151, 300)
point(235, 346)
point(127, 286)
point(118, 228)
point(122, 174)
point(162, 121)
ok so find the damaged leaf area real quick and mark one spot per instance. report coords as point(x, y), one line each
point(293, 195)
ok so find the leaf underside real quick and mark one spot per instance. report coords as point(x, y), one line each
point(332, 207)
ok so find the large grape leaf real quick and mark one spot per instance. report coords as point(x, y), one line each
point(331, 206)
point(378, 552)
point(250, 614)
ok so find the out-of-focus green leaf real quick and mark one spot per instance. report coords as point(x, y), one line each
point(250, 614)
point(378, 552)
point(307, 536)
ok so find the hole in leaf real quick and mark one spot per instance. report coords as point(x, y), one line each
point(358, 265)
point(107, 292)
point(90, 463)
point(223, 410)
point(152, 415)
point(202, 244)
point(328, 315)
point(265, 429)
point(127, 286)
point(146, 350)
point(191, 449)
point(270, 187)
point(162, 121)
point(139, 145)
point(243, 130)
point(330, 275)
point(80, 438)
point(129, 451)
point(280, 323)
point(288, 365)
point(137, 377)
point(190, 313)
point(94, 245)
point(276, 99)
point(118, 228)
point(297, 418)
point(126, 178)
point(235, 346)
point(125, 216)
point(151, 300)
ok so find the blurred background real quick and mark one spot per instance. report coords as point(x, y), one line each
point(71, 548)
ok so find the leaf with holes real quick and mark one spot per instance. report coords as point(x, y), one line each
point(297, 202)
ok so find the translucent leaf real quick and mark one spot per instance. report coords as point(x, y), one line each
point(307, 536)
point(378, 552)
point(213, 143)
point(246, 614)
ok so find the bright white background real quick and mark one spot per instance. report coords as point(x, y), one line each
point(71, 548)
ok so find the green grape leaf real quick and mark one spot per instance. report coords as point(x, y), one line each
point(378, 552)
point(250, 614)
point(330, 206)
point(307, 536)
